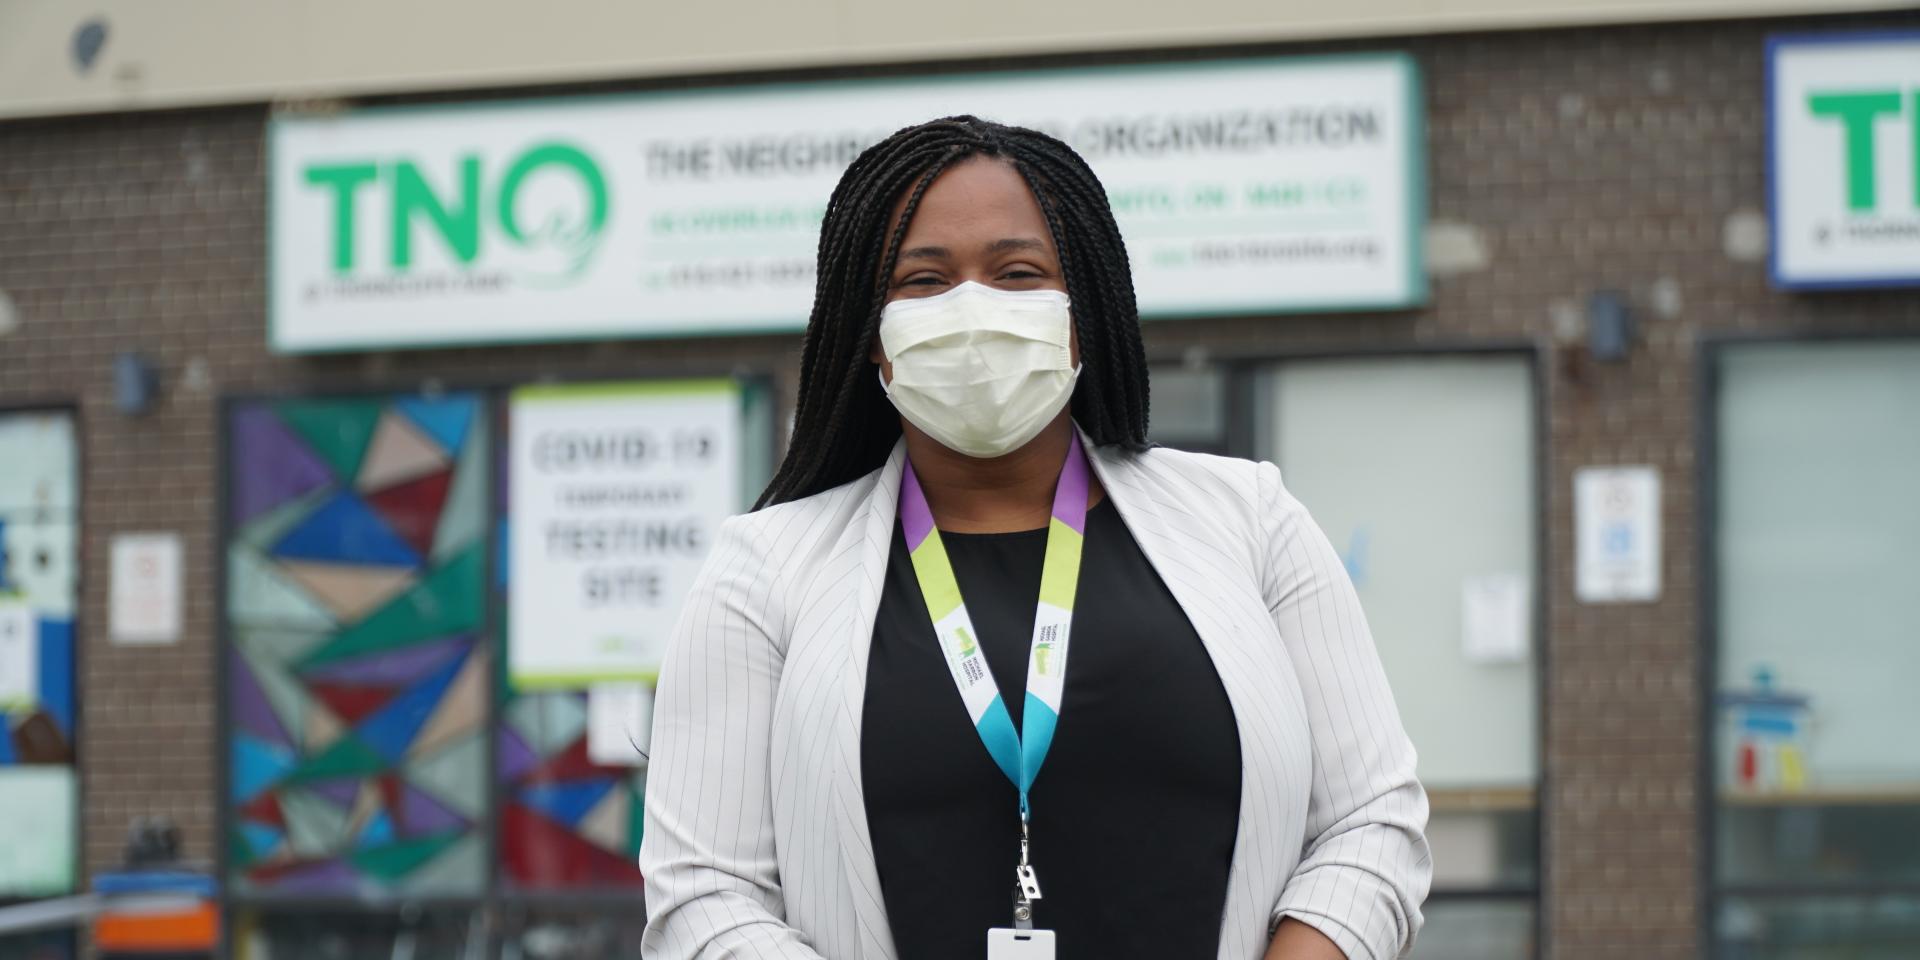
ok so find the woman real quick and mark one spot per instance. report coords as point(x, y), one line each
point(868, 743)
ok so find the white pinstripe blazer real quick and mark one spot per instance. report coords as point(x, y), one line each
point(756, 842)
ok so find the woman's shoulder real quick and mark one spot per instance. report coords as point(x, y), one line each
point(762, 561)
point(796, 528)
point(1220, 484)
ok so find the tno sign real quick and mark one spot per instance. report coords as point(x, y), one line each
point(470, 210)
point(1844, 148)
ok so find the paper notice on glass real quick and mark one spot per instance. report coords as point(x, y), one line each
point(1494, 618)
point(19, 655)
point(619, 724)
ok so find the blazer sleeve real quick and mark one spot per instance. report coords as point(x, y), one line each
point(707, 854)
point(1365, 868)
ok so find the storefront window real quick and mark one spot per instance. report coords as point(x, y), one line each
point(1857, 927)
point(391, 791)
point(566, 821)
point(330, 934)
point(1422, 472)
point(1817, 775)
point(358, 664)
point(1473, 928)
point(1190, 409)
point(554, 932)
point(44, 945)
point(39, 517)
point(508, 931)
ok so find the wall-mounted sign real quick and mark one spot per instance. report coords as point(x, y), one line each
point(1616, 521)
point(144, 594)
point(1844, 146)
point(1241, 187)
point(615, 494)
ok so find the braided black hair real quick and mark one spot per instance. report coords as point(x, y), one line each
point(844, 427)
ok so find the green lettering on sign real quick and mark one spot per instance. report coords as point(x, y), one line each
point(458, 217)
point(1857, 113)
point(580, 238)
point(1276, 195)
point(459, 227)
point(344, 179)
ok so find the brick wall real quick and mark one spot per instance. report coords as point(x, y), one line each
point(1617, 158)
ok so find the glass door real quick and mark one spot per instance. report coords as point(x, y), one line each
point(1422, 470)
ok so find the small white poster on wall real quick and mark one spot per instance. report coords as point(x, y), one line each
point(145, 590)
point(1616, 515)
point(615, 494)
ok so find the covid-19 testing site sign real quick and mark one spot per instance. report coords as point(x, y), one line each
point(616, 492)
point(1263, 186)
point(1844, 152)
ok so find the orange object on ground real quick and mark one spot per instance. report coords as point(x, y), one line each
point(195, 929)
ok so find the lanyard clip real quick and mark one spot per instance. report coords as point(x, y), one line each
point(1026, 887)
point(1026, 883)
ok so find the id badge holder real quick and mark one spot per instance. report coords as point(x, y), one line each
point(1008, 944)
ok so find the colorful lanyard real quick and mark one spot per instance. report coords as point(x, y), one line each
point(1018, 753)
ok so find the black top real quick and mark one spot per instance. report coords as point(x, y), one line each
point(1136, 809)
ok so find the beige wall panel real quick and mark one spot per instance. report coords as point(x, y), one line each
point(165, 53)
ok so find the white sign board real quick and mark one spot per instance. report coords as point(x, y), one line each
point(1616, 518)
point(1845, 152)
point(145, 589)
point(615, 493)
point(1253, 186)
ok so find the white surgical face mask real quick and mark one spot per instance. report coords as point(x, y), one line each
point(978, 369)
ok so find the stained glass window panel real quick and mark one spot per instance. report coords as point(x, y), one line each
point(357, 665)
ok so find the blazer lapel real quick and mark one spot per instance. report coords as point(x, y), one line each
point(1186, 575)
point(1125, 484)
point(856, 844)
point(1230, 631)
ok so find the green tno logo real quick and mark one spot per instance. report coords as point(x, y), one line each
point(541, 212)
point(1859, 113)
